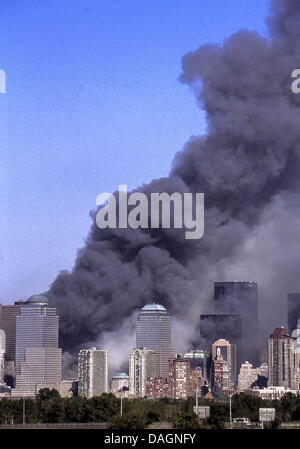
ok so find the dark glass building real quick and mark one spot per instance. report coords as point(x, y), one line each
point(293, 309)
point(240, 297)
point(215, 326)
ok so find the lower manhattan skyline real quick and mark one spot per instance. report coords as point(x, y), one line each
point(150, 213)
point(236, 241)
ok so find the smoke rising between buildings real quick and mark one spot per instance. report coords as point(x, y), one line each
point(247, 165)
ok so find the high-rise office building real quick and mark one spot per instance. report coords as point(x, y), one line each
point(228, 353)
point(92, 372)
point(280, 359)
point(2, 355)
point(142, 366)
point(154, 331)
point(38, 358)
point(215, 326)
point(8, 316)
point(240, 297)
point(179, 377)
point(293, 310)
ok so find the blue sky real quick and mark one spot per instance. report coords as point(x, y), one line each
point(93, 101)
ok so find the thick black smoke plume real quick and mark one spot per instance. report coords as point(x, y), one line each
point(248, 166)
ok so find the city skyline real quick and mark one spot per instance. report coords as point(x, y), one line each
point(38, 361)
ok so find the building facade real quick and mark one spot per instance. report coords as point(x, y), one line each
point(154, 331)
point(142, 366)
point(280, 359)
point(228, 352)
point(296, 351)
point(293, 309)
point(119, 381)
point(179, 378)
point(221, 372)
point(2, 355)
point(241, 298)
point(157, 387)
point(247, 376)
point(8, 320)
point(38, 358)
point(92, 372)
point(199, 359)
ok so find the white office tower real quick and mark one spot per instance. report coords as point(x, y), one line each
point(2, 355)
point(154, 331)
point(38, 358)
point(92, 372)
point(296, 351)
point(142, 363)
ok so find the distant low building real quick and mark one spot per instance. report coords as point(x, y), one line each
point(249, 376)
point(67, 388)
point(271, 393)
point(119, 381)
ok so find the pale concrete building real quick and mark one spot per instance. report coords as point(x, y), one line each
point(2, 355)
point(119, 381)
point(92, 372)
point(142, 366)
point(280, 359)
point(247, 376)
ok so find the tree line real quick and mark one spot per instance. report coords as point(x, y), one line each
point(50, 407)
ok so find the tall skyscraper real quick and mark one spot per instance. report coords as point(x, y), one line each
point(228, 352)
point(179, 378)
point(92, 372)
point(154, 331)
point(215, 326)
point(280, 359)
point(293, 309)
point(8, 319)
point(2, 355)
point(142, 364)
point(240, 297)
point(38, 358)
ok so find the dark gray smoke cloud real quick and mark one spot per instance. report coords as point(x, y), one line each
point(247, 165)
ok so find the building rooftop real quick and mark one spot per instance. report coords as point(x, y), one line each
point(280, 332)
point(154, 307)
point(121, 375)
point(37, 299)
